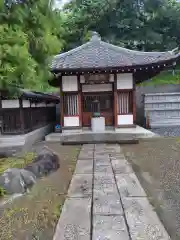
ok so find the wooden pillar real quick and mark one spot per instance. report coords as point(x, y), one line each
point(115, 101)
point(61, 105)
point(31, 120)
point(79, 101)
point(134, 101)
point(21, 112)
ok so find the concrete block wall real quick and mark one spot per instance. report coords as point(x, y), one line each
point(141, 90)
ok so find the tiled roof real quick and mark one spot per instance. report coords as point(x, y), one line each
point(99, 54)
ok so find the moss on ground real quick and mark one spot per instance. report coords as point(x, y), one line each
point(16, 162)
point(35, 215)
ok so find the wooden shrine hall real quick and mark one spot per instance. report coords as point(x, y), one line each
point(97, 82)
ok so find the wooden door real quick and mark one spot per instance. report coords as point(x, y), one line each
point(106, 107)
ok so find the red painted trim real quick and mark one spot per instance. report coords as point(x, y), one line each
point(65, 115)
point(115, 101)
point(70, 92)
point(79, 100)
point(124, 114)
point(125, 90)
point(134, 101)
point(95, 93)
point(61, 106)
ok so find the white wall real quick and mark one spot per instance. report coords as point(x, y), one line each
point(51, 105)
point(97, 88)
point(10, 103)
point(69, 83)
point(111, 78)
point(125, 81)
point(41, 105)
point(71, 121)
point(125, 119)
point(26, 103)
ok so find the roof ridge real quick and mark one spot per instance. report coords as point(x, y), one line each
point(73, 50)
point(112, 46)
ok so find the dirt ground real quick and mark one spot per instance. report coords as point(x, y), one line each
point(157, 165)
point(34, 216)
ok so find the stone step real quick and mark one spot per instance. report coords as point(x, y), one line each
point(81, 142)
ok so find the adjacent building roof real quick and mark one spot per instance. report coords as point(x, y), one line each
point(27, 94)
point(97, 54)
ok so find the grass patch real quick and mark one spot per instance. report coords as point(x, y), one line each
point(162, 79)
point(16, 162)
point(35, 215)
point(2, 192)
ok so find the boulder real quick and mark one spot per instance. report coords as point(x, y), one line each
point(44, 163)
point(8, 153)
point(15, 180)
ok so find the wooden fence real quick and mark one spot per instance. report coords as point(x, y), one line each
point(24, 120)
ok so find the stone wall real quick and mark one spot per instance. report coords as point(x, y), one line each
point(141, 90)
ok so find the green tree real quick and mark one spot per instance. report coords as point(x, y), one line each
point(136, 24)
point(30, 35)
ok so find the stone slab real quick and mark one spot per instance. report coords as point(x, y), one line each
point(85, 154)
point(100, 146)
point(143, 222)
point(129, 186)
point(102, 161)
point(107, 204)
point(121, 166)
point(105, 189)
point(100, 156)
point(70, 226)
point(88, 146)
point(85, 158)
point(81, 186)
point(102, 168)
point(84, 167)
point(115, 156)
point(104, 183)
point(102, 178)
point(109, 228)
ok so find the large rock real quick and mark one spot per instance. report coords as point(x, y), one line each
point(16, 180)
point(45, 163)
point(5, 153)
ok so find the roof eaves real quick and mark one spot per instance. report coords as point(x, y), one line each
point(121, 49)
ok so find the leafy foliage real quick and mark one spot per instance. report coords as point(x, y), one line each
point(29, 36)
point(31, 32)
point(2, 192)
point(136, 24)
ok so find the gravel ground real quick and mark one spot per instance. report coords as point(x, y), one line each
point(34, 216)
point(167, 131)
point(157, 165)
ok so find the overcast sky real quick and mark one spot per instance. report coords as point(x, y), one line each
point(59, 4)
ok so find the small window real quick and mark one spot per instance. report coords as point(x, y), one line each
point(70, 102)
point(125, 102)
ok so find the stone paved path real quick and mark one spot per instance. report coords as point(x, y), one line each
point(106, 201)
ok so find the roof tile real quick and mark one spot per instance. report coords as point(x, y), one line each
point(99, 54)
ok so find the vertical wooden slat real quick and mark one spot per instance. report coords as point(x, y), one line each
point(79, 102)
point(21, 115)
